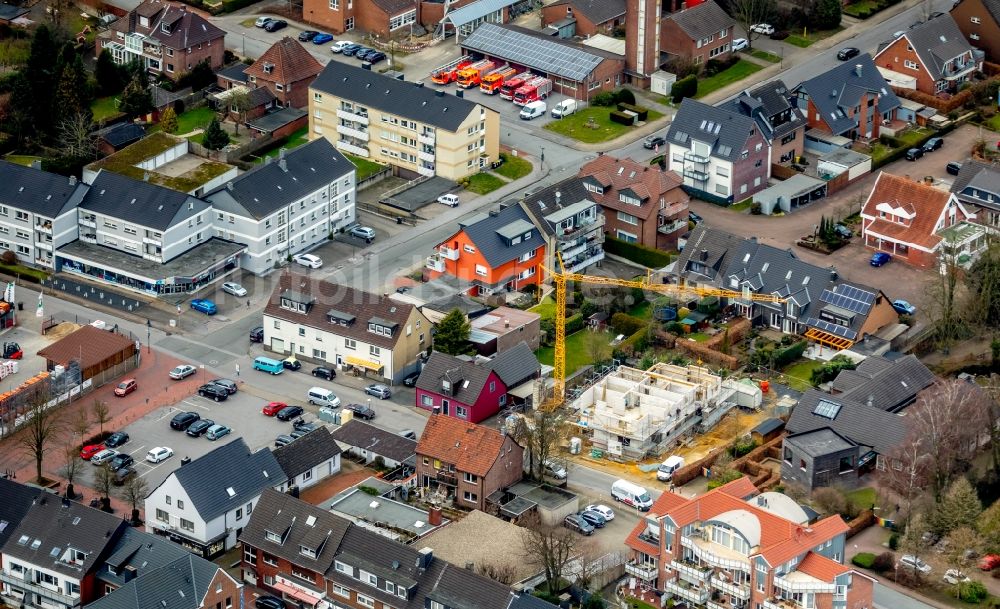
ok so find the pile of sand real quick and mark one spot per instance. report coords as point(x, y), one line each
point(60, 331)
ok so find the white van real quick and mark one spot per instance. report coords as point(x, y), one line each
point(631, 494)
point(564, 108)
point(533, 110)
point(323, 397)
point(450, 200)
point(667, 468)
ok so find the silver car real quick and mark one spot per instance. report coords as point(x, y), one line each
point(231, 287)
point(363, 232)
point(103, 457)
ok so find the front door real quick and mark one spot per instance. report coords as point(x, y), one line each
point(444, 407)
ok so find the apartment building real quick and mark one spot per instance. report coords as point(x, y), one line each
point(419, 131)
point(782, 124)
point(571, 223)
point(167, 39)
point(736, 549)
point(286, 206)
point(338, 325)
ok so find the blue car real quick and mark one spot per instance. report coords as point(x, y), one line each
point(321, 38)
point(903, 307)
point(880, 258)
point(375, 57)
point(205, 306)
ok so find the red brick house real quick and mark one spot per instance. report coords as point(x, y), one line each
point(467, 462)
point(701, 32)
point(641, 203)
point(286, 70)
point(935, 53)
point(979, 21)
point(591, 16)
point(910, 220)
point(166, 38)
point(382, 17)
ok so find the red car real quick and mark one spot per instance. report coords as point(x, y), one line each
point(126, 387)
point(989, 562)
point(90, 450)
point(273, 408)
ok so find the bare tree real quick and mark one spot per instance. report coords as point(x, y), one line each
point(946, 302)
point(75, 137)
point(104, 480)
point(102, 414)
point(540, 432)
point(914, 540)
point(549, 548)
point(597, 347)
point(41, 426)
point(748, 13)
point(72, 467)
point(992, 414)
point(240, 104)
point(80, 424)
point(906, 471)
point(502, 572)
point(964, 543)
point(134, 492)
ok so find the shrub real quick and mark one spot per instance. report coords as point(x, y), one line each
point(740, 448)
point(865, 560)
point(675, 327)
point(621, 118)
point(894, 543)
point(637, 253)
point(623, 323)
point(8, 257)
point(972, 592)
point(685, 87)
point(756, 208)
point(886, 561)
point(788, 355)
point(623, 96)
point(829, 371)
point(643, 113)
point(574, 323)
point(605, 98)
point(829, 500)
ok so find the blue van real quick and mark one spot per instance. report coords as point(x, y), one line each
point(267, 364)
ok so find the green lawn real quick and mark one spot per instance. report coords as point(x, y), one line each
point(643, 310)
point(698, 336)
point(513, 167)
point(22, 159)
point(863, 6)
point(18, 269)
point(800, 372)
point(296, 139)
point(879, 151)
point(799, 41)
point(910, 137)
point(736, 72)
point(546, 308)
point(743, 205)
point(482, 183)
point(577, 127)
point(765, 55)
point(577, 350)
point(634, 603)
point(199, 118)
point(862, 497)
point(104, 108)
point(366, 168)
point(993, 124)
point(807, 38)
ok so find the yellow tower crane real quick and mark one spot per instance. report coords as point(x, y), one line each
point(560, 279)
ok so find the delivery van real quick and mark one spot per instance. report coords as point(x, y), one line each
point(266, 364)
point(631, 494)
point(533, 110)
point(564, 108)
point(667, 468)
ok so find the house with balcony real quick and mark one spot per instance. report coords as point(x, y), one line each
point(205, 504)
point(335, 325)
point(721, 155)
point(417, 130)
point(493, 252)
point(732, 548)
point(51, 557)
point(466, 462)
point(919, 224)
point(783, 125)
point(571, 222)
point(167, 39)
point(977, 187)
point(934, 54)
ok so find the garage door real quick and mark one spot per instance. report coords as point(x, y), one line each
point(277, 345)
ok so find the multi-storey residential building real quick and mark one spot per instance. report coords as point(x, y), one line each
point(979, 20)
point(465, 461)
point(384, 18)
point(934, 53)
point(977, 185)
point(721, 155)
point(700, 33)
point(287, 206)
point(731, 547)
point(335, 324)
point(37, 212)
point(781, 122)
point(205, 504)
point(499, 251)
point(418, 130)
point(286, 69)
point(571, 223)
point(167, 39)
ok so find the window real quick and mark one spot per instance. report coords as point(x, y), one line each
point(470, 496)
point(343, 568)
point(269, 559)
point(911, 65)
point(339, 590)
point(975, 20)
point(426, 400)
point(277, 324)
point(301, 574)
point(187, 525)
point(239, 514)
point(368, 578)
point(169, 500)
point(480, 270)
point(462, 413)
point(162, 516)
point(375, 351)
point(722, 189)
point(404, 19)
point(21, 215)
point(272, 536)
point(180, 504)
point(249, 555)
point(350, 343)
point(365, 601)
point(628, 218)
point(471, 478)
point(468, 248)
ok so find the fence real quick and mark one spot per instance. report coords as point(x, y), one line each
point(375, 178)
point(235, 152)
point(864, 520)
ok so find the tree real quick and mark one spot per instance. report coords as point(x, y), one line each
point(104, 481)
point(215, 138)
point(20, 118)
point(199, 77)
point(907, 470)
point(946, 301)
point(72, 467)
point(80, 424)
point(168, 120)
point(108, 74)
point(549, 548)
point(829, 500)
point(102, 415)
point(597, 347)
point(72, 93)
point(134, 493)
point(958, 508)
point(539, 432)
point(914, 540)
point(136, 100)
point(748, 13)
point(41, 425)
point(988, 526)
point(826, 14)
point(240, 103)
point(963, 544)
point(502, 572)
point(75, 136)
point(983, 281)
point(40, 71)
point(452, 335)
point(991, 408)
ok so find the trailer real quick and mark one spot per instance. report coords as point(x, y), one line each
point(494, 80)
point(536, 89)
point(449, 71)
point(515, 83)
point(472, 75)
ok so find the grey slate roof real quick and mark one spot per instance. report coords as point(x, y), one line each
point(376, 440)
point(937, 41)
point(726, 132)
point(141, 551)
point(542, 202)
point(17, 500)
point(597, 11)
point(267, 188)
point(841, 88)
point(273, 121)
point(139, 202)
point(978, 183)
point(702, 20)
point(51, 527)
point(235, 72)
point(515, 365)
point(819, 442)
point(397, 97)
point(890, 384)
point(467, 377)
point(179, 584)
point(540, 52)
point(37, 191)
point(484, 231)
point(993, 6)
point(862, 424)
point(770, 106)
point(307, 452)
point(706, 254)
point(207, 478)
point(767, 426)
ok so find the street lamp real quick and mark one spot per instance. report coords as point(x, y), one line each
point(149, 326)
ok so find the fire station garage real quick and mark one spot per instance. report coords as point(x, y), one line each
point(576, 70)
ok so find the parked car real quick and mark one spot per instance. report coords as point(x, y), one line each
point(291, 364)
point(324, 373)
point(361, 411)
point(283, 440)
point(363, 52)
point(603, 510)
point(228, 385)
point(123, 475)
point(989, 562)
point(116, 439)
point(350, 48)
point(375, 57)
point(275, 24)
point(126, 387)
point(933, 144)
point(739, 44)
point(363, 232)
point(183, 420)
point(914, 153)
point(289, 412)
point(269, 602)
point(257, 335)
point(912, 562)
point(762, 28)
point(954, 576)
point(236, 289)
point(199, 427)
point(262, 21)
point(410, 380)
point(848, 53)
point(378, 390)
point(449, 199)
point(120, 460)
point(555, 469)
point(205, 306)
point(273, 408)
point(217, 431)
point(842, 231)
point(594, 519)
point(953, 168)
point(213, 392)
point(880, 258)
point(652, 141)
point(304, 426)
point(322, 38)
point(307, 35)
point(409, 433)
point(104, 456)
point(903, 307)
point(578, 524)
point(182, 372)
point(308, 260)
point(90, 450)
point(297, 433)
point(158, 454)
point(340, 45)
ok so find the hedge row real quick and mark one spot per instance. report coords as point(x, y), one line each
point(786, 356)
point(643, 113)
point(636, 252)
point(574, 323)
point(623, 323)
point(622, 118)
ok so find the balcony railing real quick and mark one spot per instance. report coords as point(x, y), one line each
point(425, 171)
point(693, 594)
point(650, 539)
point(573, 250)
point(691, 571)
point(448, 253)
point(672, 227)
point(742, 592)
point(781, 603)
point(804, 586)
point(356, 150)
point(352, 116)
point(435, 263)
point(425, 156)
point(713, 558)
point(643, 570)
point(25, 583)
point(88, 221)
point(352, 132)
point(695, 158)
point(426, 139)
point(694, 174)
point(45, 227)
point(447, 478)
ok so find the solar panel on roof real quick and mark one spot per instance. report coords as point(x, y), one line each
point(542, 55)
point(836, 330)
point(850, 298)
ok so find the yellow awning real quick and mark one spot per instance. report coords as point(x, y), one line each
point(828, 339)
point(363, 363)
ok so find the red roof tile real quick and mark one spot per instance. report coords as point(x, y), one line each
point(647, 182)
point(290, 62)
point(821, 567)
point(471, 448)
point(924, 204)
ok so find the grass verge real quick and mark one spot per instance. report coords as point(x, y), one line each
point(24, 271)
point(513, 167)
point(104, 108)
point(862, 497)
point(742, 206)
point(577, 350)
point(366, 168)
point(765, 55)
point(799, 41)
point(736, 72)
point(483, 183)
point(577, 125)
point(294, 140)
point(22, 159)
point(546, 308)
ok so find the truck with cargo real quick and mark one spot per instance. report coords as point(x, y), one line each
point(472, 75)
point(515, 83)
point(494, 80)
point(449, 71)
point(536, 89)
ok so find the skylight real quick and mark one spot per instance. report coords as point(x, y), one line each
point(827, 409)
point(36, 544)
point(232, 493)
point(311, 520)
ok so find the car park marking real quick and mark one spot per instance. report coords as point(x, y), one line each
point(137, 450)
point(195, 405)
point(170, 411)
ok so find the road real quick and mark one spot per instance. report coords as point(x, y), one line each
point(887, 598)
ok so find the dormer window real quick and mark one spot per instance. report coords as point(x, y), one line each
point(272, 536)
point(307, 551)
point(594, 188)
point(445, 387)
point(165, 28)
point(144, 21)
point(339, 317)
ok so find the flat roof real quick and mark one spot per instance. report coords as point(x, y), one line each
point(480, 538)
point(829, 138)
point(356, 504)
point(276, 120)
point(190, 264)
point(539, 53)
point(844, 156)
point(476, 10)
point(544, 495)
point(795, 186)
point(606, 43)
point(496, 321)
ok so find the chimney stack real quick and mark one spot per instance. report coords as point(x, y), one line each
point(506, 323)
point(229, 185)
point(72, 180)
point(459, 93)
point(857, 69)
point(434, 516)
point(281, 152)
point(558, 197)
point(426, 556)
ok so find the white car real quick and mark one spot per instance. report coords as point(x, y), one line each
point(449, 200)
point(160, 453)
point(912, 562)
point(313, 262)
point(740, 43)
point(954, 576)
point(338, 47)
point(103, 457)
point(898, 34)
point(262, 21)
point(231, 287)
point(762, 28)
point(603, 510)
point(183, 371)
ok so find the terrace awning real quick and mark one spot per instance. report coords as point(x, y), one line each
point(363, 363)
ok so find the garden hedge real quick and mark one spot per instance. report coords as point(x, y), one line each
point(574, 323)
point(784, 357)
point(636, 252)
point(623, 323)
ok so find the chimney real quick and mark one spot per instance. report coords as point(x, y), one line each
point(426, 557)
point(229, 185)
point(470, 566)
point(459, 93)
point(434, 516)
point(72, 180)
point(436, 410)
point(494, 213)
point(857, 69)
point(833, 273)
point(506, 323)
point(704, 254)
point(283, 164)
point(65, 502)
point(871, 400)
point(366, 66)
point(558, 197)
point(281, 152)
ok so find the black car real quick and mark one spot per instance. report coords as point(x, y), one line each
point(257, 335)
point(933, 144)
point(275, 24)
point(362, 411)
point(411, 379)
point(914, 153)
point(307, 35)
point(303, 426)
point(183, 420)
point(213, 391)
point(291, 364)
point(375, 57)
point(199, 427)
point(289, 412)
point(576, 523)
point(363, 52)
point(119, 461)
point(116, 439)
point(228, 385)
point(269, 602)
point(123, 475)
point(324, 373)
point(653, 141)
point(952, 168)
point(848, 53)
point(595, 519)
point(351, 49)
